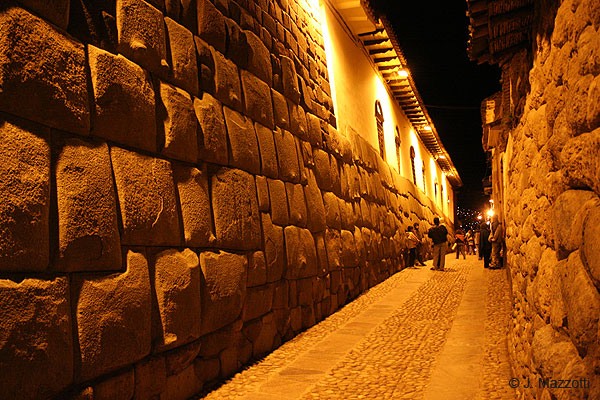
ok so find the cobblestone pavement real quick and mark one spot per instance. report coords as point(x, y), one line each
point(385, 344)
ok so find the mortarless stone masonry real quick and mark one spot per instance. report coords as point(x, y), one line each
point(175, 200)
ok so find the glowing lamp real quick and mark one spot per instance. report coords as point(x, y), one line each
point(427, 128)
point(402, 73)
point(490, 213)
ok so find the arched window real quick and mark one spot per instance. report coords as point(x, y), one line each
point(424, 178)
point(398, 143)
point(379, 119)
point(412, 164)
point(435, 190)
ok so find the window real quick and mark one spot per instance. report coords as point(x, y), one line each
point(398, 143)
point(412, 164)
point(435, 190)
point(424, 179)
point(379, 118)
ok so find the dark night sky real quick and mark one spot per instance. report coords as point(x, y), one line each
point(434, 41)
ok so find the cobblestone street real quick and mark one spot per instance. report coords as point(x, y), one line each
point(421, 334)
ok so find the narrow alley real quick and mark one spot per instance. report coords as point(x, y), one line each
point(421, 334)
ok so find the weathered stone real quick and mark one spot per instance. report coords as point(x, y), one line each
point(264, 341)
point(314, 130)
point(24, 195)
point(582, 302)
point(349, 253)
point(262, 192)
point(580, 161)
point(206, 65)
point(314, 205)
point(280, 110)
point(333, 245)
point(121, 386)
point(211, 25)
point(259, 301)
point(223, 290)
point(206, 370)
point(184, 67)
point(142, 38)
point(55, 11)
point(290, 80)
point(150, 378)
point(257, 269)
point(177, 288)
point(279, 202)
point(301, 253)
point(593, 99)
point(183, 385)
point(322, 169)
point(268, 155)
point(237, 44)
point(212, 138)
point(235, 208)
point(227, 81)
point(591, 244)
point(113, 318)
point(274, 248)
point(179, 124)
point(257, 98)
point(332, 210)
point(178, 359)
point(147, 199)
point(296, 203)
point(42, 72)
point(36, 349)
point(568, 213)
point(88, 235)
point(259, 58)
point(125, 111)
point(297, 121)
point(287, 157)
point(194, 200)
point(242, 141)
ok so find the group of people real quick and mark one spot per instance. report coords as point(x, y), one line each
point(486, 241)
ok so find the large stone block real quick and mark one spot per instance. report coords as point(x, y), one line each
point(257, 269)
point(313, 126)
point(228, 88)
point(113, 318)
point(184, 67)
point(332, 210)
point(291, 90)
point(333, 244)
point(349, 252)
point(287, 156)
point(296, 203)
point(580, 161)
point(120, 386)
point(194, 199)
point(24, 195)
point(279, 202)
point(237, 221)
point(297, 121)
point(259, 58)
point(212, 138)
point(262, 192)
point(147, 199)
point(150, 378)
point(206, 66)
point(301, 253)
point(322, 169)
point(211, 25)
point(179, 124)
point(36, 349)
point(142, 39)
point(42, 72)
point(88, 234)
point(180, 358)
point(259, 301)
point(591, 243)
point(177, 288)
point(125, 110)
point(568, 213)
point(237, 45)
point(268, 154)
point(274, 249)
point(223, 288)
point(280, 110)
point(55, 11)
point(242, 141)
point(257, 98)
point(314, 204)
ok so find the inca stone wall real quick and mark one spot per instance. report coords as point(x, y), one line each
point(551, 201)
point(174, 197)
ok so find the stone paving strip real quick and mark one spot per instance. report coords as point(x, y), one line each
point(386, 344)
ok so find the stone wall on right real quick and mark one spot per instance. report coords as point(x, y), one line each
point(551, 201)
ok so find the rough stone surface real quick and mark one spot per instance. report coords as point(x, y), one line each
point(223, 288)
point(279, 202)
point(243, 143)
point(36, 349)
point(314, 205)
point(182, 357)
point(296, 203)
point(194, 200)
point(291, 90)
point(257, 269)
point(184, 67)
point(301, 253)
point(235, 208)
point(332, 210)
point(146, 195)
point(25, 195)
point(50, 88)
point(211, 25)
point(212, 138)
point(280, 110)
point(591, 246)
point(257, 99)
point(580, 161)
point(55, 11)
point(268, 155)
point(150, 378)
point(227, 81)
point(179, 124)
point(177, 288)
point(125, 111)
point(259, 301)
point(287, 157)
point(142, 39)
point(88, 235)
point(259, 58)
point(113, 318)
point(274, 249)
point(121, 386)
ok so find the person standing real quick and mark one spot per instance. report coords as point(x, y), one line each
point(460, 243)
point(439, 235)
point(420, 247)
point(485, 247)
point(478, 242)
point(496, 238)
point(411, 242)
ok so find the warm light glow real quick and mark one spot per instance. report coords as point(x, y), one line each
point(427, 128)
point(402, 73)
point(490, 213)
point(479, 217)
point(442, 157)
